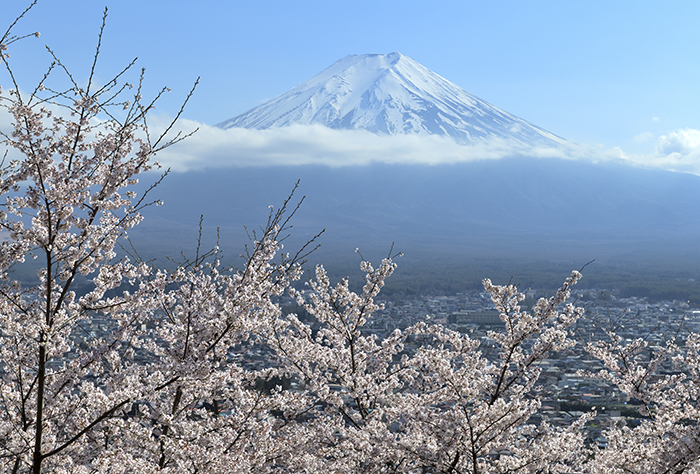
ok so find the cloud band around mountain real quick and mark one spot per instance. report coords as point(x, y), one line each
point(213, 147)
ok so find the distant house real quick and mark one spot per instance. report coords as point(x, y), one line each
point(476, 318)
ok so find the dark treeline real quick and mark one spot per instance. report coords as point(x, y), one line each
point(417, 278)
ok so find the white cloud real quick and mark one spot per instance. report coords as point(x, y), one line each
point(212, 147)
point(678, 150)
point(682, 142)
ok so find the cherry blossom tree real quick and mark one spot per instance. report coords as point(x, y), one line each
point(664, 378)
point(136, 372)
point(427, 399)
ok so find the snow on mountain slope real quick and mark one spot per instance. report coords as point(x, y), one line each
point(391, 94)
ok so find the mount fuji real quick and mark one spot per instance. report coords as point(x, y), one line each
point(392, 94)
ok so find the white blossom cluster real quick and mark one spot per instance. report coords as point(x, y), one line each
point(162, 387)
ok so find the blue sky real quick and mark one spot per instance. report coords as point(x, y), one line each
point(620, 74)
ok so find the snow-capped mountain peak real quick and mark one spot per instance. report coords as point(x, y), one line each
point(391, 94)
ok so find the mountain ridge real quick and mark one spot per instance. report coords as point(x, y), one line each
point(544, 208)
point(392, 94)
